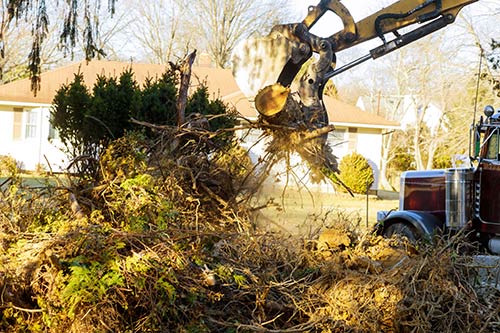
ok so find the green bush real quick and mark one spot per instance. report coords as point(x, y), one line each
point(401, 160)
point(356, 173)
point(8, 166)
point(89, 119)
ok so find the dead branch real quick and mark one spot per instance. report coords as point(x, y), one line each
point(185, 70)
point(318, 132)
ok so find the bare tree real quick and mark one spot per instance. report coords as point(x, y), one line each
point(157, 29)
point(484, 36)
point(165, 29)
point(425, 77)
point(12, 39)
point(16, 40)
point(220, 24)
point(110, 39)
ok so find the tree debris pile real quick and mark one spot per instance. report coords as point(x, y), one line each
point(160, 243)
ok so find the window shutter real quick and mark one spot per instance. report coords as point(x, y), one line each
point(18, 124)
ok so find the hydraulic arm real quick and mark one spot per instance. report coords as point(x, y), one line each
point(434, 14)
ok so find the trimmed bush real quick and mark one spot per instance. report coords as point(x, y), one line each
point(356, 173)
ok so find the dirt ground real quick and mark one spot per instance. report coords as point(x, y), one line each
point(306, 211)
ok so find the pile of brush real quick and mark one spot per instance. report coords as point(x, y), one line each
point(161, 242)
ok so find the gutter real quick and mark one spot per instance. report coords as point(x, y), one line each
point(28, 104)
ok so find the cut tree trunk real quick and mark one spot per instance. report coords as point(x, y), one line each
point(185, 70)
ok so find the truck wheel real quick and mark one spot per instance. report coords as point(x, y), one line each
point(402, 230)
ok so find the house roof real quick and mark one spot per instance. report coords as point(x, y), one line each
point(341, 113)
point(220, 82)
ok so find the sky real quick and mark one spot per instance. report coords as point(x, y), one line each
point(330, 23)
point(356, 7)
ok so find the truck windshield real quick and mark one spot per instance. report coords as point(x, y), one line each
point(492, 142)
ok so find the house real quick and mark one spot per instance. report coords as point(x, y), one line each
point(25, 130)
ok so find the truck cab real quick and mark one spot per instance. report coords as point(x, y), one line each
point(450, 200)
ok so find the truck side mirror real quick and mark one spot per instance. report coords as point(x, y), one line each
point(477, 140)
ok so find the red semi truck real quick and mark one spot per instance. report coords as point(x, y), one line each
point(447, 201)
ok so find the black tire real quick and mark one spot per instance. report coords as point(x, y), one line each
point(402, 230)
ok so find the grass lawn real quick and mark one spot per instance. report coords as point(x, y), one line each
point(28, 180)
point(306, 212)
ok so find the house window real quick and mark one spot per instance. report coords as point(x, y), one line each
point(493, 152)
point(336, 139)
point(31, 124)
point(53, 133)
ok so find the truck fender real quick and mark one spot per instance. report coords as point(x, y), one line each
point(425, 224)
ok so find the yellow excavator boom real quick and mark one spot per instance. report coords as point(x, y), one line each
point(398, 15)
point(426, 16)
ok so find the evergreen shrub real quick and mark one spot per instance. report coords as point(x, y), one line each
point(356, 172)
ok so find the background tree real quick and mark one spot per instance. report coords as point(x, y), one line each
point(165, 29)
point(15, 40)
point(157, 29)
point(483, 39)
point(218, 25)
point(440, 70)
point(110, 38)
point(493, 58)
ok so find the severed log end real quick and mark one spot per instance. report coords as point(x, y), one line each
point(271, 99)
